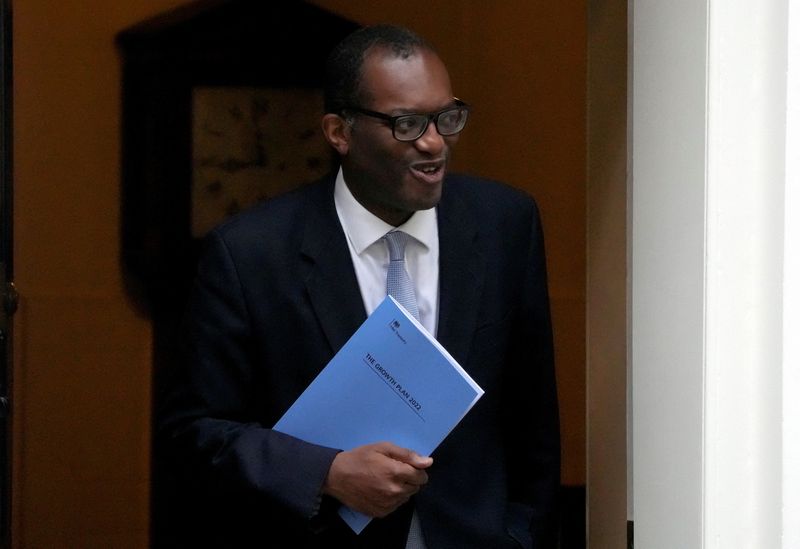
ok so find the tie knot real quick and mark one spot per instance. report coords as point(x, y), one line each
point(396, 241)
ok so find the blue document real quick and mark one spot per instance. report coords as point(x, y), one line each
point(392, 381)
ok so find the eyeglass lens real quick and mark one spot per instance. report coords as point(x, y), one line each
point(411, 127)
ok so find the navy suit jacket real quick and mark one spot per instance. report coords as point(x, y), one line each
point(276, 296)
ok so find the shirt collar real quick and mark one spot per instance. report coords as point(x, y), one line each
point(363, 228)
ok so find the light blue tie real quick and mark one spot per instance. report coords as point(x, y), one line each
point(400, 287)
point(398, 283)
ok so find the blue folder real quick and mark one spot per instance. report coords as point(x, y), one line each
point(392, 381)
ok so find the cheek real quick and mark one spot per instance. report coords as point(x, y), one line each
point(378, 153)
point(390, 160)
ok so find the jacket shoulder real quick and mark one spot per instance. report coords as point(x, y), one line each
point(279, 217)
point(488, 197)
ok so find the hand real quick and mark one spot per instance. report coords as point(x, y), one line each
point(376, 479)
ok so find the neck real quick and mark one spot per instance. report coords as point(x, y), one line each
point(392, 216)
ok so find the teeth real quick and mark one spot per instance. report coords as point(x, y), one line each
point(428, 169)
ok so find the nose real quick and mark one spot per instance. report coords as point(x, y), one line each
point(431, 141)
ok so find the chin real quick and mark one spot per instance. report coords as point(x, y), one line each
point(427, 204)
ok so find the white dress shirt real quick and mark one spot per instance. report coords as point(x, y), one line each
point(370, 254)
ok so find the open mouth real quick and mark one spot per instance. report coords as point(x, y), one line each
point(430, 172)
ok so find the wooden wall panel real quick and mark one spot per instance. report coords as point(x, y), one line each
point(82, 355)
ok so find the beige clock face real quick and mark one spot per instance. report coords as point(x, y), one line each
point(249, 144)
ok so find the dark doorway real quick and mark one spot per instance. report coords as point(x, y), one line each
point(196, 82)
point(8, 299)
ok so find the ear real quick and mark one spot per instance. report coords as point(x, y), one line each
point(337, 132)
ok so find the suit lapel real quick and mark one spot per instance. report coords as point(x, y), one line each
point(329, 275)
point(333, 288)
point(461, 273)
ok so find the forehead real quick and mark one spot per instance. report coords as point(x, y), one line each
point(419, 82)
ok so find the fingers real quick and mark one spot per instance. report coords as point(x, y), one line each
point(404, 455)
point(416, 478)
point(410, 466)
point(376, 478)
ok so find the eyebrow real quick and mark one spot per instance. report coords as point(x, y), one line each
point(401, 111)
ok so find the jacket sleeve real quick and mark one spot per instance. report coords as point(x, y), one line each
point(209, 424)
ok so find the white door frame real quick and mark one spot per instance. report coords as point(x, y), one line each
point(714, 273)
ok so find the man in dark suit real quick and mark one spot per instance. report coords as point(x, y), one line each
point(283, 286)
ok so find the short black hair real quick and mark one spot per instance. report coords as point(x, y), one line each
point(343, 70)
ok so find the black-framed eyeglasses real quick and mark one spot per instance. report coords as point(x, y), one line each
point(410, 127)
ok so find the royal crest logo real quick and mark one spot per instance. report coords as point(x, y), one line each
point(394, 326)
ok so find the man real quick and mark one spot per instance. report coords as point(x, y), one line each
point(281, 288)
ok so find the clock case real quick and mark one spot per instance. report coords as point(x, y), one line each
point(281, 44)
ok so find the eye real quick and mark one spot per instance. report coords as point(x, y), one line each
point(407, 124)
point(451, 121)
point(450, 118)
